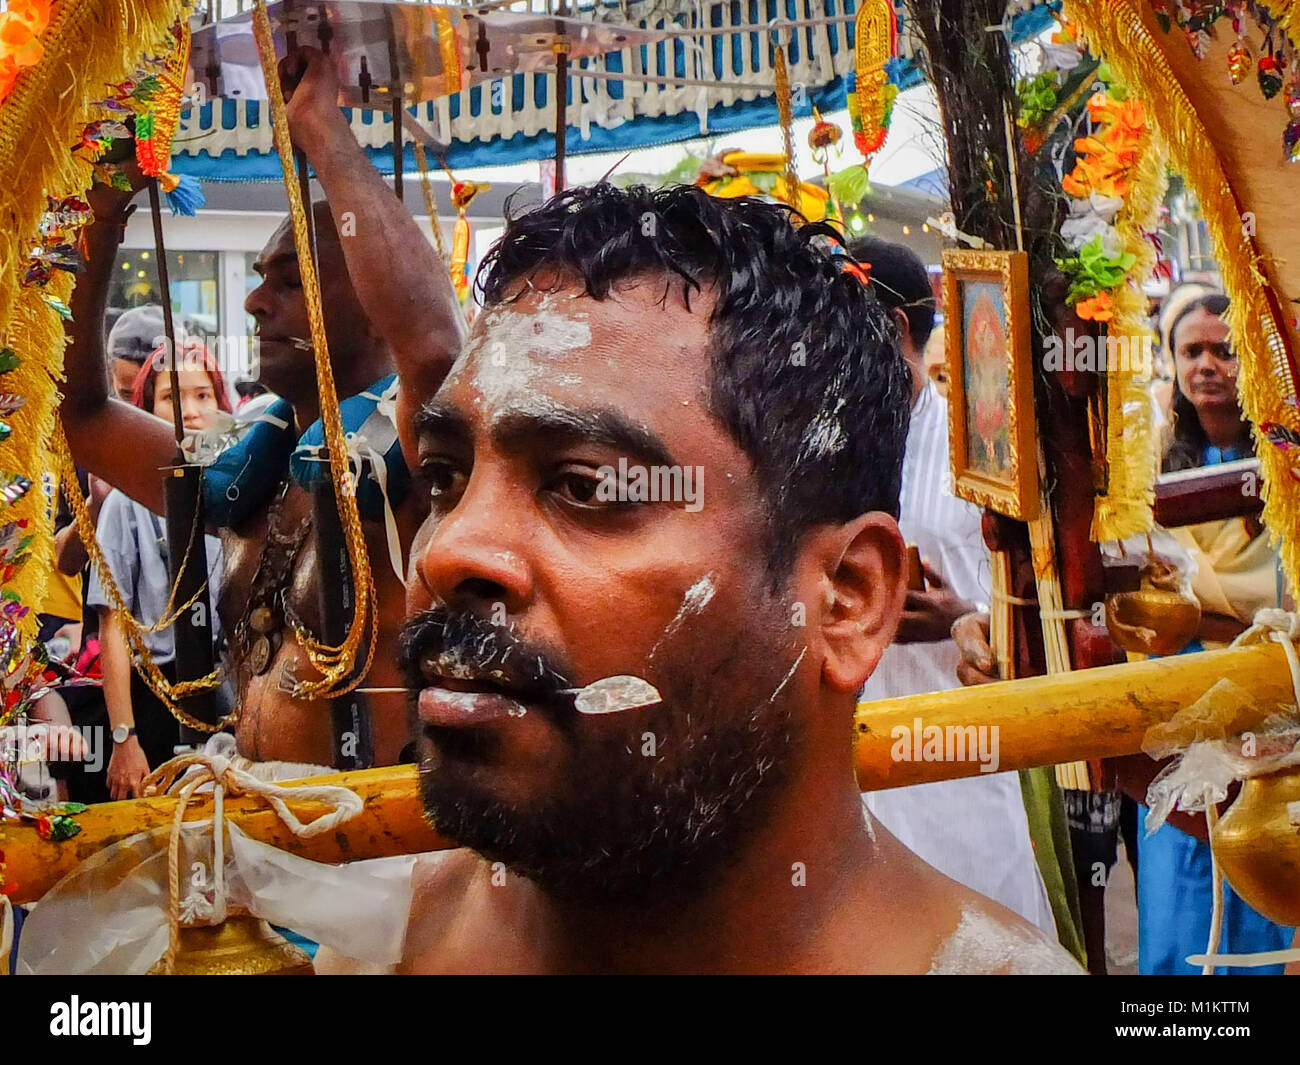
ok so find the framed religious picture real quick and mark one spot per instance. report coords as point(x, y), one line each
point(991, 383)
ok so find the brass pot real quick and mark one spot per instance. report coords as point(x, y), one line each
point(242, 945)
point(1152, 621)
point(1258, 848)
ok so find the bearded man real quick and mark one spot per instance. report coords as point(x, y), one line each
point(635, 713)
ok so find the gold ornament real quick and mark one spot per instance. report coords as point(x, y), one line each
point(1157, 619)
point(1257, 845)
point(241, 945)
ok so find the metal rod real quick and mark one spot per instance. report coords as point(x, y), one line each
point(398, 146)
point(304, 190)
point(561, 105)
point(169, 323)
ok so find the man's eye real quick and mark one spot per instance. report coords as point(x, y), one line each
point(445, 481)
point(581, 488)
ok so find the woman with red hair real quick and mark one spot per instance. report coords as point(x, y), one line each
point(134, 543)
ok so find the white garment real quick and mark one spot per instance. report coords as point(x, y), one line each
point(973, 830)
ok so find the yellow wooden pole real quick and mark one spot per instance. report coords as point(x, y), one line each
point(1040, 721)
point(391, 822)
point(1092, 713)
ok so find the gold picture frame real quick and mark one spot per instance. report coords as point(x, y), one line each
point(991, 439)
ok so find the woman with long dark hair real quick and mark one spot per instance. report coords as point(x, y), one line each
point(1237, 574)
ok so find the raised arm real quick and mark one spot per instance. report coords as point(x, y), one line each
point(123, 445)
point(402, 284)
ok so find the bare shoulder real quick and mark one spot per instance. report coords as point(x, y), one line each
point(991, 940)
point(470, 916)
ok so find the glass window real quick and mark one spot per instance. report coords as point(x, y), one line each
point(194, 277)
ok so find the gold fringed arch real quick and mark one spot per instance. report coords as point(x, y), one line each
point(88, 46)
point(1226, 140)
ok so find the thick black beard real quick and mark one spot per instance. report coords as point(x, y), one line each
point(631, 829)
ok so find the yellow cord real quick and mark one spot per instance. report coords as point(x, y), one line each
point(136, 633)
point(334, 663)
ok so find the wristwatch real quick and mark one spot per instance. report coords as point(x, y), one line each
point(121, 734)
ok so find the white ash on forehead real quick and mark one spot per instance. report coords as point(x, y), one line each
point(506, 360)
point(611, 695)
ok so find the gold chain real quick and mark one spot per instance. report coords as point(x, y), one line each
point(334, 663)
point(153, 676)
point(430, 201)
point(785, 114)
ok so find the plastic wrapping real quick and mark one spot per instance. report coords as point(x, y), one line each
point(1222, 737)
point(109, 916)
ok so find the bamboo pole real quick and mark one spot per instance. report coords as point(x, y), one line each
point(1085, 714)
point(1040, 721)
point(391, 822)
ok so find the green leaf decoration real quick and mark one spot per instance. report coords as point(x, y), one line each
point(764, 181)
point(849, 186)
point(1093, 271)
point(1038, 98)
point(9, 360)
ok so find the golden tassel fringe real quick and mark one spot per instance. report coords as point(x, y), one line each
point(1131, 446)
point(89, 45)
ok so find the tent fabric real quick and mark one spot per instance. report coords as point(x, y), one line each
point(510, 120)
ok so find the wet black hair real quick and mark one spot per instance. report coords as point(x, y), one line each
point(901, 281)
point(805, 372)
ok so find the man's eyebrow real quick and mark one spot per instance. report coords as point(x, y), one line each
point(261, 266)
point(436, 418)
point(523, 425)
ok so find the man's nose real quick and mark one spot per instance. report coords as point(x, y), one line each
point(473, 558)
point(256, 302)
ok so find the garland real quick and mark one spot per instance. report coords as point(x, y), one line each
point(1115, 190)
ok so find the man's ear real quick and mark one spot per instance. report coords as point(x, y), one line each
point(863, 577)
point(904, 326)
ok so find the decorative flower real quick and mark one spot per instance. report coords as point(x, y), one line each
point(1083, 225)
point(20, 29)
point(1105, 207)
point(1097, 309)
point(1062, 57)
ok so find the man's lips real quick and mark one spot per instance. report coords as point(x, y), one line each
point(457, 703)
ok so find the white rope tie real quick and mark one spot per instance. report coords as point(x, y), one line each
point(196, 908)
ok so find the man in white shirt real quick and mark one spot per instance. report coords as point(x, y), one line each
point(973, 830)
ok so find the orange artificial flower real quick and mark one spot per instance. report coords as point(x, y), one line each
point(21, 27)
point(1074, 185)
point(1097, 309)
point(8, 75)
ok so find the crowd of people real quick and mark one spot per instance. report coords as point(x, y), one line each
point(716, 825)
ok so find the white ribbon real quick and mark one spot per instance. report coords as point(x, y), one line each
point(360, 449)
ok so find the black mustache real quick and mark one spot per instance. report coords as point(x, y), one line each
point(480, 650)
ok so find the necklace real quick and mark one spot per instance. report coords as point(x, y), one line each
point(260, 631)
